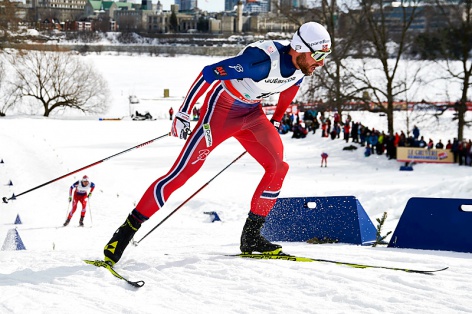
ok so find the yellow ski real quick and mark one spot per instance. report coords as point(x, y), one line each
point(283, 256)
point(110, 268)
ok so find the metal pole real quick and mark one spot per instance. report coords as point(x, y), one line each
point(188, 199)
point(90, 212)
point(5, 200)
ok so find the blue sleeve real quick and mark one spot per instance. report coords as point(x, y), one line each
point(253, 63)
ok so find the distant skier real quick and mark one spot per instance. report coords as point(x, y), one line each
point(235, 88)
point(324, 159)
point(83, 190)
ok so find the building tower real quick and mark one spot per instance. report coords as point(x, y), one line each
point(239, 18)
point(186, 5)
point(146, 5)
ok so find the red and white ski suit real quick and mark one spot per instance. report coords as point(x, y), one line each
point(80, 196)
point(227, 112)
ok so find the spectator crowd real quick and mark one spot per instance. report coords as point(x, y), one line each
point(374, 141)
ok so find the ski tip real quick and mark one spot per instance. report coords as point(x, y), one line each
point(137, 284)
point(109, 267)
point(427, 272)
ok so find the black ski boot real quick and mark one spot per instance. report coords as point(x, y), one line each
point(67, 222)
point(120, 240)
point(252, 240)
point(81, 221)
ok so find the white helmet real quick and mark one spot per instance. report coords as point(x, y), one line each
point(311, 35)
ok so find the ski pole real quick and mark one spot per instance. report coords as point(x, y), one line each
point(90, 212)
point(188, 199)
point(67, 213)
point(5, 200)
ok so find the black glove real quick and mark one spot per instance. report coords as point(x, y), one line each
point(275, 123)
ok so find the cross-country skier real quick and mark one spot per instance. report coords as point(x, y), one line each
point(83, 190)
point(234, 90)
point(324, 158)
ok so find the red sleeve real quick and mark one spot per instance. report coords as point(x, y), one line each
point(285, 99)
point(198, 88)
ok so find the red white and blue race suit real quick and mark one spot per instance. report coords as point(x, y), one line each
point(80, 195)
point(232, 108)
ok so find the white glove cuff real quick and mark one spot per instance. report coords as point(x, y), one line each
point(183, 115)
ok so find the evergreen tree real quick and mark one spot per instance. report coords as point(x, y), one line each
point(380, 238)
point(174, 25)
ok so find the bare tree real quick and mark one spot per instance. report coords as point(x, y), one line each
point(386, 42)
point(296, 16)
point(457, 46)
point(332, 84)
point(8, 19)
point(59, 80)
point(335, 82)
point(8, 96)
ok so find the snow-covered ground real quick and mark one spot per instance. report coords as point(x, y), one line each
point(182, 261)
